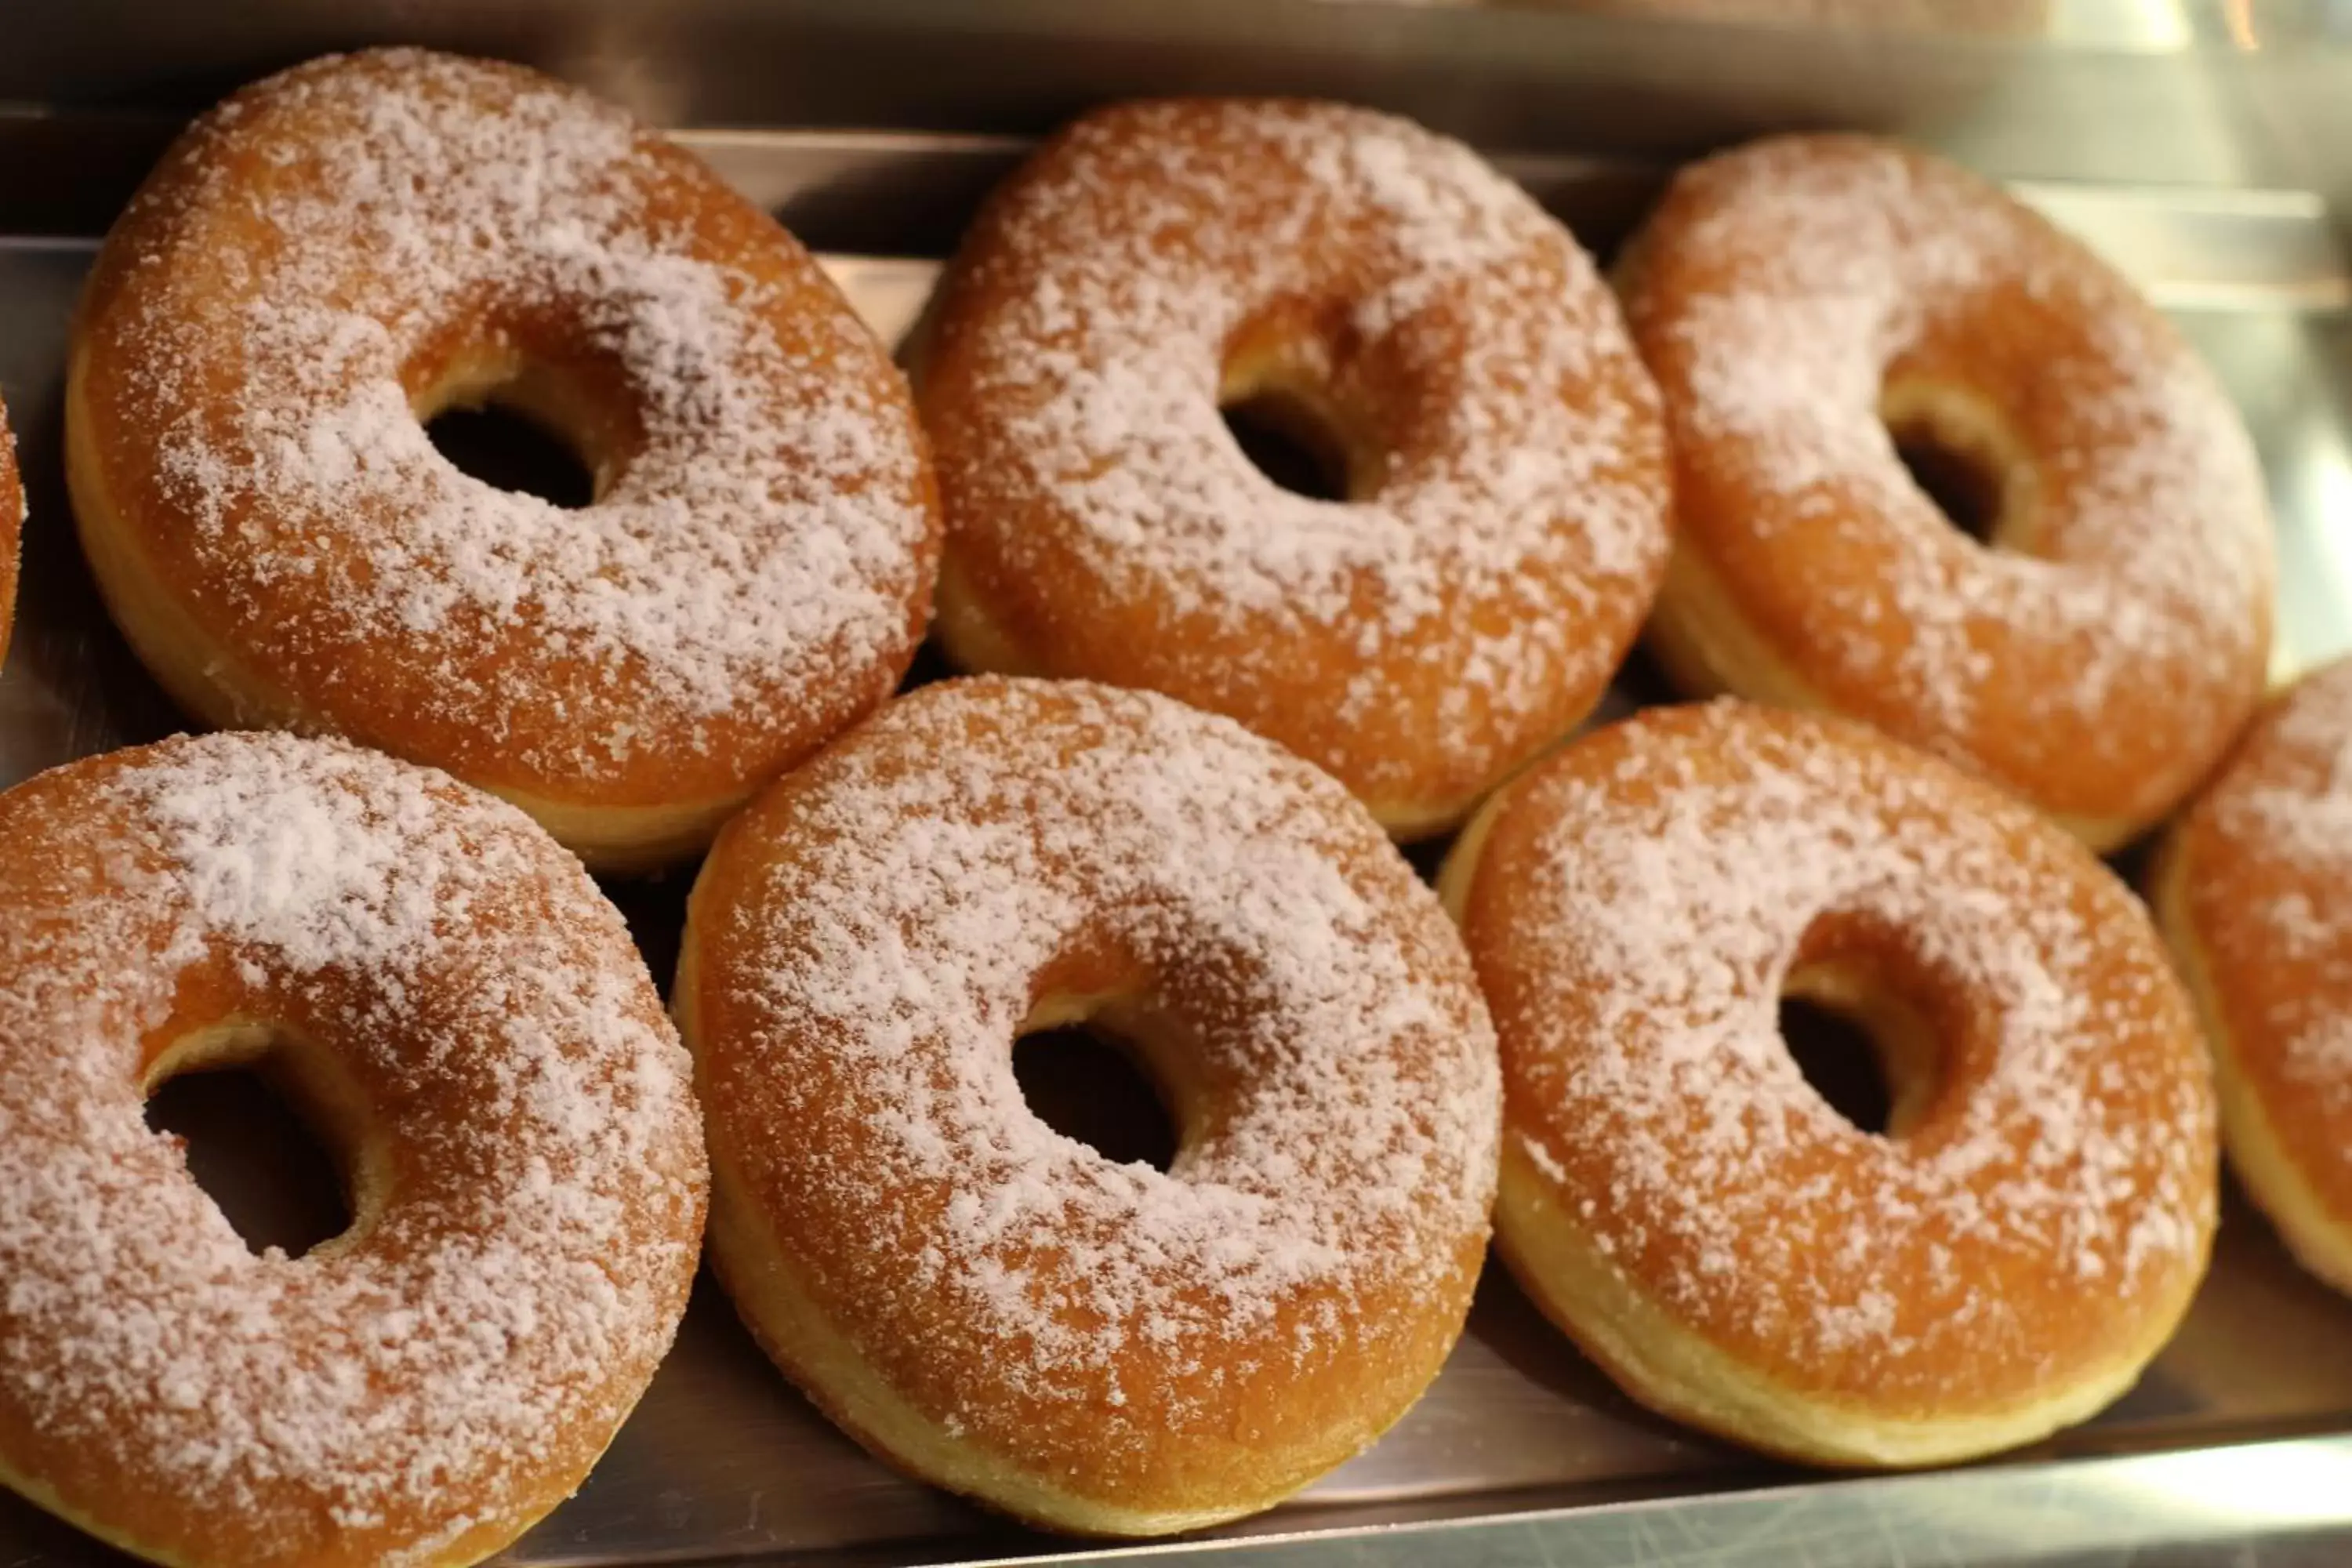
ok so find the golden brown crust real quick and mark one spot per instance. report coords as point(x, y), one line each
point(338, 254)
point(2003, 1261)
point(1098, 1348)
point(1504, 520)
point(445, 991)
point(2254, 890)
point(1796, 301)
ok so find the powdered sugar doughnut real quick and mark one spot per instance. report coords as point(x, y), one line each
point(340, 253)
point(2028, 1231)
point(456, 1003)
point(1799, 298)
point(2254, 890)
point(1401, 301)
point(994, 1307)
point(12, 519)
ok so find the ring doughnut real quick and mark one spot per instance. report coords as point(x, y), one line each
point(341, 253)
point(12, 522)
point(443, 988)
point(1809, 302)
point(2254, 890)
point(1384, 295)
point(996, 1308)
point(2003, 1261)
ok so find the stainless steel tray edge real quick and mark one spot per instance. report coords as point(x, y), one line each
point(2296, 1494)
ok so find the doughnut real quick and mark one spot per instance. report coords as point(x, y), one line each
point(1383, 295)
point(993, 1307)
point(2027, 1230)
point(12, 521)
point(2253, 889)
point(337, 255)
point(439, 985)
point(1810, 305)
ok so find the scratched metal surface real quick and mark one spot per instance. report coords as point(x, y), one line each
point(1521, 1447)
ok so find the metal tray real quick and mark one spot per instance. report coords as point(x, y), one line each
point(1521, 1452)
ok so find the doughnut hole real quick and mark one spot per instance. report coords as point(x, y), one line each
point(1875, 1076)
point(1289, 439)
point(1961, 454)
point(1289, 395)
point(1086, 1082)
point(269, 1130)
point(1105, 1070)
point(529, 409)
point(1839, 1059)
point(1880, 1036)
point(507, 449)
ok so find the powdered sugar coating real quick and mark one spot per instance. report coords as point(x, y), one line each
point(531, 1169)
point(2297, 797)
point(1475, 594)
point(872, 938)
point(1639, 907)
point(2097, 662)
point(2268, 870)
point(325, 249)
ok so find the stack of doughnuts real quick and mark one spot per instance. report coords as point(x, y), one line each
point(1201, 707)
